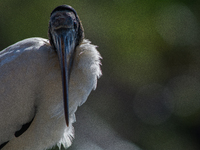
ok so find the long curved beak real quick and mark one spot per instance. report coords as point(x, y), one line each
point(65, 45)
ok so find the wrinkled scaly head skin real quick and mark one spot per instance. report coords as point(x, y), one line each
point(76, 20)
point(65, 33)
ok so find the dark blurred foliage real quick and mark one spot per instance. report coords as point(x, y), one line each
point(149, 94)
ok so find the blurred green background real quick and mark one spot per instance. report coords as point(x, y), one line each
point(149, 95)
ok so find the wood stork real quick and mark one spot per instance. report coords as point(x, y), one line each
point(36, 75)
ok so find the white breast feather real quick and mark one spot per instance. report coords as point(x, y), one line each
point(85, 72)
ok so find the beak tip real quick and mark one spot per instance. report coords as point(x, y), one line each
point(67, 122)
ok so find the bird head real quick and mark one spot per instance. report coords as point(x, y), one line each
point(65, 33)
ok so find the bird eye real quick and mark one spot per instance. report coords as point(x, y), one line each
point(75, 25)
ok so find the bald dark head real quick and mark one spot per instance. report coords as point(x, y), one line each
point(76, 21)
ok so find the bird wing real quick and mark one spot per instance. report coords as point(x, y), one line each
point(17, 99)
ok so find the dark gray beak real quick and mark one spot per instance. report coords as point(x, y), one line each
point(65, 44)
point(65, 33)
